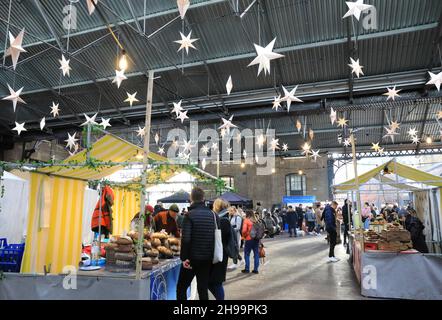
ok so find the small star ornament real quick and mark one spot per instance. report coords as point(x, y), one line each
point(214, 146)
point(415, 140)
point(356, 8)
point(105, 123)
point(390, 133)
point(375, 147)
point(141, 132)
point(342, 122)
point(183, 116)
point(14, 96)
point(347, 142)
point(119, 77)
point(412, 132)
point(229, 151)
point(15, 47)
point(276, 103)
point(285, 147)
point(306, 149)
point(394, 125)
point(65, 68)
point(186, 42)
point(436, 79)
point(356, 68)
point(42, 123)
point(274, 144)
point(260, 141)
point(55, 109)
point(223, 133)
point(289, 97)
point(227, 124)
point(71, 141)
point(89, 120)
point(229, 85)
point(177, 108)
point(19, 127)
point(161, 151)
point(315, 155)
point(187, 145)
point(183, 5)
point(333, 116)
point(205, 150)
point(131, 98)
point(392, 93)
point(264, 56)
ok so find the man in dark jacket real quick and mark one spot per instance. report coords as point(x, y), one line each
point(330, 225)
point(197, 246)
point(292, 220)
point(300, 214)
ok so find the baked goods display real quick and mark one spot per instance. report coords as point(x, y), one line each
point(392, 237)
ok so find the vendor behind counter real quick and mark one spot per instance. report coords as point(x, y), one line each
point(167, 220)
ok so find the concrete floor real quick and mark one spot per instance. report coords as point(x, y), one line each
point(296, 268)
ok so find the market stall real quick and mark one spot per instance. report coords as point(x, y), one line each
point(235, 199)
point(383, 255)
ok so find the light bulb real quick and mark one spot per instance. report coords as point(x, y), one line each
point(429, 140)
point(273, 170)
point(122, 63)
point(300, 172)
point(243, 165)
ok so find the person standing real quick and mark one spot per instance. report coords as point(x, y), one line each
point(292, 220)
point(345, 213)
point(197, 246)
point(167, 220)
point(219, 270)
point(416, 228)
point(330, 226)
point(318, 216)
point(250, 244)
point(300, 214)
point(310, 218)
point(236, 221)
point(258, 210)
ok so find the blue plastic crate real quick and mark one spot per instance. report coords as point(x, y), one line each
point(11, 257)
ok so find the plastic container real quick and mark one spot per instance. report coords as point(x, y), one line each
point(11, 257)
point(3, 243)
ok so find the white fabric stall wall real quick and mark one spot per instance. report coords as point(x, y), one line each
point(14, 208)
point(90, 201)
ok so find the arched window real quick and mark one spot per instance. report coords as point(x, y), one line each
point(295, 185)
point(229, 181)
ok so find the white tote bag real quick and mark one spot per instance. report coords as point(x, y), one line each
point(218, 248)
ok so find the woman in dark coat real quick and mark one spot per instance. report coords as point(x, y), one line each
point(416, 228)
point(219, 270)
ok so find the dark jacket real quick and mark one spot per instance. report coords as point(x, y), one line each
point(345, 215)
point(416, 228)
point(198, 233)
point(219, 270)
point(291, 218)
point(329, 217)
point(299, 213)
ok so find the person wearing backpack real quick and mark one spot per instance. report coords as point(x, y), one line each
point(252, 232)
point(218, 271)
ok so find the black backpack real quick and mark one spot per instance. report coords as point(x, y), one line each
point(258, 231)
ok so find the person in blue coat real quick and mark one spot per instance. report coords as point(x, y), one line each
point(330, 226)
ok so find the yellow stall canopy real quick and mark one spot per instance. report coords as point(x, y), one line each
point(56, 203)
point(393, 167)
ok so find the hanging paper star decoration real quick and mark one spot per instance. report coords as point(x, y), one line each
point(356, 68)
point(436, 79)
point(91, 6)
point(187, 145)
point(415, 140)
point(394, 125)
point(71, 141)
point(306, 149)
point(347, 142)
point(89, 120)
point(105, 123)
point(227, 124)
point(157, 138)
point(356, 8)
point(183, 5)
point(203, 163)
point(260, 141)
point(214, 146)
point(229, 85)
point(290, 96)
point(55, 109)
point(229, 150)
point(14, 96)
point(285, 147)
point(276, 103)
point(182, 116)
point(392, 93)
point(390, 133)
point(412, 132)
point(130, 97)
point(65, 68)
point(119, 77)
point(19, 127)
point(274, 144)
point(141, 131)
point(177, 108)
point(42, 123)
point(375, 147)
point(315, 155)
point(15, 47)
point(332, 116)
point(186, 42)
point(264, 56)
point(161, 151)
point(342, 122)
point(205, 149)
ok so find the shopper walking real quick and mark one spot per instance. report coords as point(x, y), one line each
point(300, 214)
point(292, 220)
point(330, 225)
point(218, 272)
point(197, 246)
point(250, 226)
point(236, 221)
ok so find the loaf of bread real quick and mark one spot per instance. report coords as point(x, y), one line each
point(156, 242)
point(174, 241)
point(147, 244)
point(159, 235)
point(124, 256)
point(124, 248)
point(152, 253)
point(124, 240)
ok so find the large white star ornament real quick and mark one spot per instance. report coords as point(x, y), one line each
point(71, 141)
point(131, 98)
point(55, 109)
point(42, 123)
point(186, 42)
point(19, 127)
point(177, 108)
point(229, 85)
point(290, 96)
point(285, 147)
point(182, 116)
point(89, 120)
point(356, 8)
point(15, 47)
point(65, 66)
point(119, 77)
point(90, 6)
point(333, 116)
point(14, 96)
point(105, 123)
point(141, 132)
point(436, 79)
point(356, 68)
point(392, 93)
point(227, 124)
point(276, 103)
point(264, 56)
point(315, 155)
point(183, 5)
